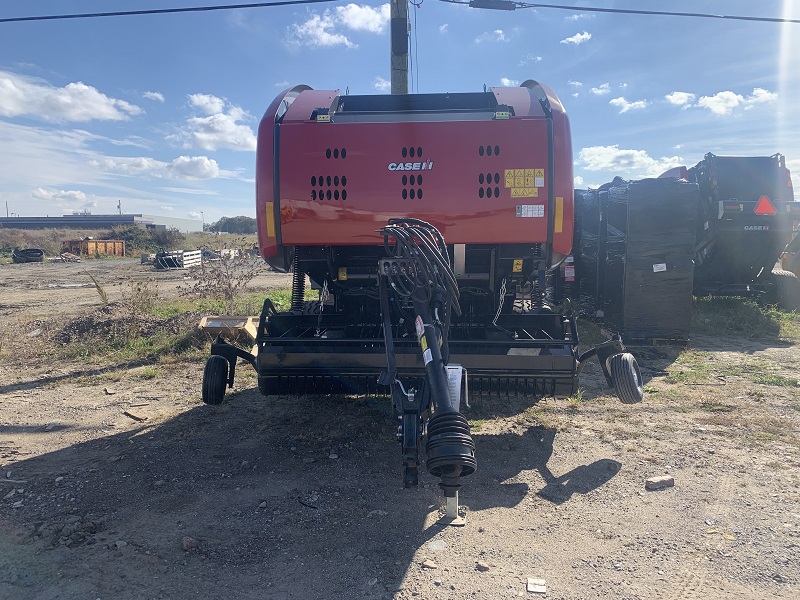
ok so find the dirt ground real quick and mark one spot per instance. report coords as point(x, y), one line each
point(118, 483)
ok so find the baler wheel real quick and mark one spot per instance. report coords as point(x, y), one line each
point(787, 288)
point(627, 378)
point(215, 379)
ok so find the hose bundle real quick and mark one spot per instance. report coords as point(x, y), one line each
point(423, 263)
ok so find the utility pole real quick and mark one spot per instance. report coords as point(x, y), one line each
point(399, 34)
point(119, 206)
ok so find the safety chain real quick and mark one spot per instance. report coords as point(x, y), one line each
point(500, 302)
point(323, 297)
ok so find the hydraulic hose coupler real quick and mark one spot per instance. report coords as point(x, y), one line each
point(450, 449)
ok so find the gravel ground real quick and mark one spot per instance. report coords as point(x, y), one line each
point(117, 482)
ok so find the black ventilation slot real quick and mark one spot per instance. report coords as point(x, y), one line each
point(328, 187)
point(411, 152)
point(489, 191)
point(336, 153)
point(489, 150)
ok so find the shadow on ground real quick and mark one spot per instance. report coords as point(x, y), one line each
point(287, 497)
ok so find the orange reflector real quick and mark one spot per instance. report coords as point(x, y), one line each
point(764, 207)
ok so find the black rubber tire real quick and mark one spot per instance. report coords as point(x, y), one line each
point(626, 377)
point(215, 380)
point(787, 289)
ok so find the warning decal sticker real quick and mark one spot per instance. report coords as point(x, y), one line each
point(524, 183)
point(530, 210)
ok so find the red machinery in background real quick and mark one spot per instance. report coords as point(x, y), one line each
point(432, 226)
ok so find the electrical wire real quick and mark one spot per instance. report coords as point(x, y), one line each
point(489, 4)
point(512, 5)
point(161, 11)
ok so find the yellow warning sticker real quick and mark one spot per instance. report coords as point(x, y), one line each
point(523, 183)
point(517, 265)
point(423, 342)
point(342, 273)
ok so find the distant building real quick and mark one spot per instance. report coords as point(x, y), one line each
point(86, 220)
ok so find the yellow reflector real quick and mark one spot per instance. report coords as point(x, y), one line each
point(559, 220)
point(270, 219)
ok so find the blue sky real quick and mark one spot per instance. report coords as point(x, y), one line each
point(159, 112)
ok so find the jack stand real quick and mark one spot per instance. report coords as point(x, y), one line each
point(451, 516)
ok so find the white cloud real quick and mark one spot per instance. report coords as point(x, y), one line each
point(683, 99)
point(193, 167)
point(317, 32)
point(381, 84)
point(194, 215)
point(634, 163)
point(760, 95)
point(575, 94)
point(578, 180)
point(27, 96)
point(58, 195)
point(624, 106)
point(578, 38)
point(578, 17)
point(157, 96)
point(363, 18)
point(576, 84)
point(678, 146)
point(506, 82)
point(721, 103)
point(528, 59)
point(602, 89)
point(207, 103)
point(498, 35)
point(222, 126)
point(63, 200)
point(183, 167)
point(282, 84)
point(443, 28)
point(321, 30)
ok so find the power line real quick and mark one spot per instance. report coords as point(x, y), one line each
point(160, 11)
point(513, 5)
point(490, 4)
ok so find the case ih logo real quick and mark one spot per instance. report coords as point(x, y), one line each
point(756, 227)
point(411, 166)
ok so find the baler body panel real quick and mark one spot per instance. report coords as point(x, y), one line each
point(444, 158)
point(469, 197)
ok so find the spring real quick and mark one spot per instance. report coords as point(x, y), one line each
point(298, 284)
